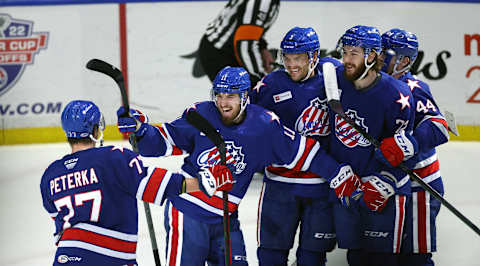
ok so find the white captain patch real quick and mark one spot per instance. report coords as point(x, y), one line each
point(282, 96)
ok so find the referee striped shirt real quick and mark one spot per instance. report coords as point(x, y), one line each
point(239, 29)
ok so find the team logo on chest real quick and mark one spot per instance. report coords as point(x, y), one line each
point(234, 156)
point(347, 134)
point(314, 119)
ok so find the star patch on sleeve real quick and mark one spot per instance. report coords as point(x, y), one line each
point(273, 117)
point(403, 101)
point(413, 84)
point(117, 148)
point(259, 85)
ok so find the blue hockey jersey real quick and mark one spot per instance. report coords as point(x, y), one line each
point(302, 106)
point(258, 141)
point(381, 110)
point(92, 197)
point(430, 130)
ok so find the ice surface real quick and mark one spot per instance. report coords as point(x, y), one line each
point(26, 229)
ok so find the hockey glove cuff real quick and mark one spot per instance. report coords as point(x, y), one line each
point(136, 122)
point(215, 178)
point(394, 150)
point(376, 192)
point(344, 182)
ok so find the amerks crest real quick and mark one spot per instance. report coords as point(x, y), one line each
point(314, 119)
point(234, 156)
point(347, 134)
point(18, 47)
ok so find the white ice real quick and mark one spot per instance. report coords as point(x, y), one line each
point(26, 229)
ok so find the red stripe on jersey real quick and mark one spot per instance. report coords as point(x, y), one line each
point(99, 240)
point(176, 150)
point(162, 131)
point(422, 226)
point(151, 189)
point(428, 170)
point(214, 201)
point(174, 237)
point(285, 172)
point(401, 219)
point(441, 121)
point(308, 147)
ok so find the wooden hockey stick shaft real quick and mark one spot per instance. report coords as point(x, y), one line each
point(117, 75)
point(202, 124)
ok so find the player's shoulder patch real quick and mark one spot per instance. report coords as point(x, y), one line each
point(200, 107)
point(118, 154)
point(117, 148)
point(265, 117)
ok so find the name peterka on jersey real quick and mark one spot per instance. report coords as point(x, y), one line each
point(73, 180)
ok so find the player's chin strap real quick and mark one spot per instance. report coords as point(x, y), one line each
point(367, 67)
point(312, 63)
point(397, 63)
point(243, 105)
point(99, 139)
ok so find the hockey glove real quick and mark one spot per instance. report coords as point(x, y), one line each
point(345, 182)
point(396, 149)
point(215, 178)
point(135, 122)
point(376, 193)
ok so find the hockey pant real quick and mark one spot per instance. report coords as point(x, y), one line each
point(280, 213)
point(192, 242)
point(78, 256)
point(420, 229)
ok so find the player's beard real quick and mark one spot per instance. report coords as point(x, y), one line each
point(229, 117)
point(358, 71)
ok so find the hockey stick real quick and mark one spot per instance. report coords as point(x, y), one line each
point(333, 98)
point(113, 72)
point(202, 124)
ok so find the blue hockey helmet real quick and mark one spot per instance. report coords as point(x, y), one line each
point(362, 36)
point(302, 40)
point(232, 80)
point(365, 37)
point(79, 119)
point(402, 44)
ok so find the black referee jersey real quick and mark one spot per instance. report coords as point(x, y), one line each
point(235, 36)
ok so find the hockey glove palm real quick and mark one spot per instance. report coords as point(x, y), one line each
point(396, 149)
point(135, 122)
point(215, 178)
point(345, 182)
point(376, 193)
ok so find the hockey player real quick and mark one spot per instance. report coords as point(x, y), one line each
point(254, 138)
point(236, 38)
point(296, 94)
point(91, 194)
point(400, 49)
point(371, 230)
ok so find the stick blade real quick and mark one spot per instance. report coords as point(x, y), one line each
point(451, 122)
point(105, 68)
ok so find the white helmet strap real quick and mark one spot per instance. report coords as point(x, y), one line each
point(98, 140)
point(312, 64)
point(397, 63)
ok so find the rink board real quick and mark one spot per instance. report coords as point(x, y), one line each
point(161, 81)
